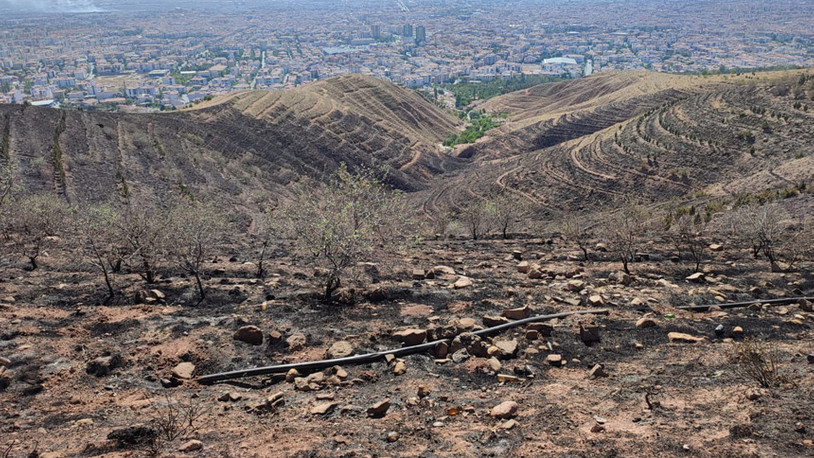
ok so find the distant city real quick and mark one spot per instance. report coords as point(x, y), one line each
point(123, 55)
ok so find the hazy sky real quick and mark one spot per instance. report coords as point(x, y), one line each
point(54, 6)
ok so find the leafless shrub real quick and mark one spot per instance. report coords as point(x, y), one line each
point(477, 215)
point(756, 361)
point(771, 231)
point(197, 230)
point(576, 231)
point(507, 210)
point(354, 218)
point(33, 223)
point(624, 231)
point(687, 231)
point(144, 231)
point(96, 235)
point(173, 419)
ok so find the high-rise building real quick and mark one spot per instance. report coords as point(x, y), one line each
point(420, 34)
point(407, 30)
point(376, 31)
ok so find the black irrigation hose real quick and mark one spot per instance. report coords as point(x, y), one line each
point(732, 305)
point(372, 357)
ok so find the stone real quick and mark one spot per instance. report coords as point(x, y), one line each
point(460, 356)
point(524, 267)
point(532, 334)
point(737, 332)
point(275, 336)
point(503, 349)
point(184, 370)
point(399, 368)
point(697, 277)
point(597, 428)
point(509, 424)
point(684, 338)
point(517, 313)
point(491, 321)
point(424, 391)
point(103, 365)
point(411, 337)
point(575, 285)
point(323, 408)
point(379, 409)
point(467, 323)
point(133, 435)
point(441, 350)
point(340, 349)
point(230, 397)
point(545, 330)
point(191, 446)
point(291, 375)
point(443, 270)
point(392, 436)
point(554, 360)
point(250, 334)
point(494, 364)
point(596, 300)
point(508, 378)
point(598, 371)
point(601, 247)
point(504, 410)
point(716, 247)
point(418, 274)
point(535, 274)
point(589, 334)
point(340, 372)
point(646, 322)
point(810, 358)
point(5, 361)
point(462, 282)
point(517, 254)
point(296, 341)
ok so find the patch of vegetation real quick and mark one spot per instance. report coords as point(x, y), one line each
point(473, 131)
point(756, 361)
point(467, 91)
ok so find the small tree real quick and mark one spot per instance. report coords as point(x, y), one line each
point(508, 209)
point(687, 231)
point(262, 235)
point(476, 215)
point(354, 218)
point(96, 234)
point(198, 229)
point(624, 230)
point(143, 229)
point(577, 231)
point(33, 222)
point(771, 231)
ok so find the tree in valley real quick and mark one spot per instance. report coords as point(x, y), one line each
point(34, 223)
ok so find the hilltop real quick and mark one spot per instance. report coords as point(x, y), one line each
point(246, 146)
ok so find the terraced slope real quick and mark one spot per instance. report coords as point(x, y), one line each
point(733, 138)
point(245, 146)
point(552, 113)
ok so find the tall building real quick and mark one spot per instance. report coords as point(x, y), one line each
point(407, 30)
point(376, 31)
point(420, 34)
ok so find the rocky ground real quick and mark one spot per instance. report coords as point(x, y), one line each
point(81, 379)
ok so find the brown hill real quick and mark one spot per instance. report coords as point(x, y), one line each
point(245, 145)
point(718, 138)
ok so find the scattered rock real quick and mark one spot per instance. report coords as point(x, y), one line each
point(462, 282)
point(418, 274)
point(517, 254)
point(392, 436)
point(503, 349)
point(684, 338)
point(411, 337)
point(340, 349)
point(535, 274)
point(596, 300)
point(230, 397)
point(598, 371)
point(399, 368)
point(250, 334)
point(697, 277)
point(460, 356)
point(504, 410)
point(524, 267)
point(275, 336)
point(323, 408)
point(424, 391)
point(601, 247)
point(296, 341)
point(509, 424)
point(191, 446)
point(441, 350)
point(103, 365)
point(575, 285)
point(545, 330)
point(810, 358)
point(508, 378)
point(491, 320)
point(517, 314)
point(184, 370)
point(716, 247)
point(494, 364)
point(554, 360)
point(737, 332)
point(597, 428)
point(292, 375)
point(532, 334)
point(5, 361)
point(646, 322)
point(467, 323)
point(379, 409)
point(340, 372)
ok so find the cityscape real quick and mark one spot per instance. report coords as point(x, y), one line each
point(122, 55)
